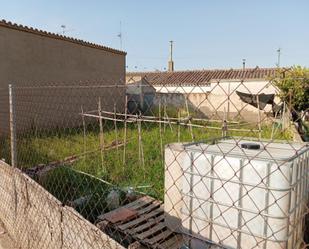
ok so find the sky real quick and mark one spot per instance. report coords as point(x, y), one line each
point(207, 34)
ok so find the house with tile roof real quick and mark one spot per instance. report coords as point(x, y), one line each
point(213, 91)
point(32, 57)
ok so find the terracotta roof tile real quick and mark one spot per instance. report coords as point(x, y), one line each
point(6, 24)
point(200, 77)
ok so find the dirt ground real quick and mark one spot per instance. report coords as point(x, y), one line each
point(5, 241)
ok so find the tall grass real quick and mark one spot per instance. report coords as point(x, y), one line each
point(44, 147)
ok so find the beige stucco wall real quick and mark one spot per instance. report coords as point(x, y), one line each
point(28, 59)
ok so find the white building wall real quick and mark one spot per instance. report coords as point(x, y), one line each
point(219, 99)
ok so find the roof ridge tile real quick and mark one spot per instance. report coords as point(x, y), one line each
point(25, 28)
point(200, 77)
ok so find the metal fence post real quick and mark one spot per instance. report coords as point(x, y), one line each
point(12, 127)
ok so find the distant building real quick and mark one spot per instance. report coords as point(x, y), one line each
point(213, 92)
point(140, 96)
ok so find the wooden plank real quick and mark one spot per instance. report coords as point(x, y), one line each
point(137, 245)
point(139, 204)
point(141, 219)
point(157, 239)
point(151, 231)
point(152, 206)
point(175, 242)
point(148, 224)
point(132, 205)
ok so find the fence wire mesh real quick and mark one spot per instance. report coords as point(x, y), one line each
point(218, 165)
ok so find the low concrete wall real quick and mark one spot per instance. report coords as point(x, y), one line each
point(36, 219)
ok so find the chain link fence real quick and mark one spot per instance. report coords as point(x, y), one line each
point(219, 165)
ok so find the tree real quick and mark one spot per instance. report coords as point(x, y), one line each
point(293, 84)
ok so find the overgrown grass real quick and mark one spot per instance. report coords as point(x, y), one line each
point(44, 147)
point(86, 194)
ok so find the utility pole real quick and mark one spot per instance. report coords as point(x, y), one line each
point(279, 55)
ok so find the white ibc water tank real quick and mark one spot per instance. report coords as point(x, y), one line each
point(237, 193)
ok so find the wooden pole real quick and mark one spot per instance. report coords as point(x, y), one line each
point(125, 130)
point(101, 133)
point(189, 118)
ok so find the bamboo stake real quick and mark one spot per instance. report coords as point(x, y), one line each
point(160, 130)
point(259, 116)
point(290, 106)
point(178, 110)
point(101, 134)
point(167, 118)
point(164, 112)
point(273, 128)
point(155, 117)
point(140, 147)
point(184, 123)
point(84, 132)
point(116, 129)
point(189, 118)
point(224, 124)
point(125, 130)
point(228, 102)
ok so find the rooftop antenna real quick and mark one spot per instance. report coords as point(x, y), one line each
point(63, 29)
point(171, 62)
point(120, 36)
point(279, 55)
point(243, 64)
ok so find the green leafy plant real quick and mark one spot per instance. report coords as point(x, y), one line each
point(293, 84)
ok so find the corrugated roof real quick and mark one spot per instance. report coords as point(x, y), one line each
point(200, 77)
point(6, 24)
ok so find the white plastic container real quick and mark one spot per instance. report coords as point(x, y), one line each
point(236, 197)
